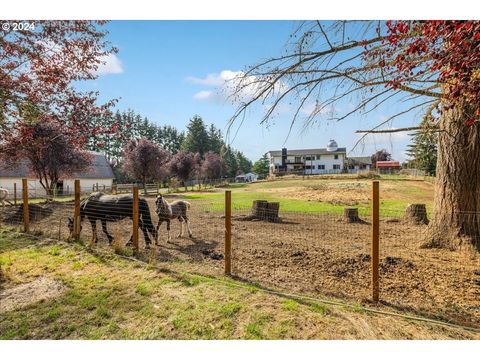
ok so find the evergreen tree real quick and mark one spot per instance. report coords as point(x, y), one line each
point(262, 166)
point(215, 139)
point(230, 160)
point(244, 164)
point(197, 139)
point(423, 150)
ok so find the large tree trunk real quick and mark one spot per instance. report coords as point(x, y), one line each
point(456, 207)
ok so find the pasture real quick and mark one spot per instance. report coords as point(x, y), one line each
point(312, 251)
point(102, 296)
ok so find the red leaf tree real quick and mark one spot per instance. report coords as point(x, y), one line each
point(184, 166)
point(380, 155)
point(38, 69)
point(213, 166)
point(432, 66)
point(46, 150)
point(146, 161)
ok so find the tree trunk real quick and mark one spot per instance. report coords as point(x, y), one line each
point(456, 207)
point(416, 213)
point(144, 185)
point(351, 215)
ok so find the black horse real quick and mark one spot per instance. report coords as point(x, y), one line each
point(112, 208)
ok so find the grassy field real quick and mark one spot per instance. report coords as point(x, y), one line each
point(108, 297)
point(325, 195)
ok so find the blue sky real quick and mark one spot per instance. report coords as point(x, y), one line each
point(169, 71)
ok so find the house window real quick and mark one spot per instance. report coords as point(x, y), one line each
point(318, 157)
point(298, 159)
point(321, 167)
point(336, 167)
point(308, 167)
point(336, 158)
point(309, 158)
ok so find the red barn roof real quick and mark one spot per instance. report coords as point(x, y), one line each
point(384, 164)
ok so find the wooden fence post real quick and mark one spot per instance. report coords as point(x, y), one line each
point(135, 218)
point(228, 232)
point(76, 215)
point(26, 215)
point(15, 193)
point(375, 240)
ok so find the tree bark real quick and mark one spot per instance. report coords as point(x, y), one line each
point(351, 215)
point(456, 207)
point(417, 214)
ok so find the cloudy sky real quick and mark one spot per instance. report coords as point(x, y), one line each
point(172, 70)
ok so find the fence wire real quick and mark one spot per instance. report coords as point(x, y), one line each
point(320, 254)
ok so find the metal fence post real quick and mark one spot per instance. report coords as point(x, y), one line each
point(135, 218)
point(15, 193)
point(26, 215)
point(375, 240)
point(76, 215)
point(228, 232)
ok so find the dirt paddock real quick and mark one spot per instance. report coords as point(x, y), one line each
point(312, 254)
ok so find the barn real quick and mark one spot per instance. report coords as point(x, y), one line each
point(388, 167)
point(99, 172)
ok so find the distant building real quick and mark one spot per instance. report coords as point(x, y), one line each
point(329, 160)
point(248, 177)
point(356, 164)
point(388, 167)
point(99, 172)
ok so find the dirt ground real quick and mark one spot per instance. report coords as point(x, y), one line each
point(314, 254)
point(42, 288)
point(352, 192)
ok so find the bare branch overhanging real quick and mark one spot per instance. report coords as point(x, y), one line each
point(302, 75)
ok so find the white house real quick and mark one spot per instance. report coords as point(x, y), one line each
point(329, 160)
point(99, 172)
point(248, 177)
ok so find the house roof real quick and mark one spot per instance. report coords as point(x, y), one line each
point(99, 169)
point(321, 151)
point(392, 163)
point(364, 160)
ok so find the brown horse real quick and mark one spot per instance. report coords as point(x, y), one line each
point(175, 210)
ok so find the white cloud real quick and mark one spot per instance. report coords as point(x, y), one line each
point(204, 95)
point(228, 83)
point(316, 108)
point(387, 138)
point(111, 64)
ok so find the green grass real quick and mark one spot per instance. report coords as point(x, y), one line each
point(107, 297)
point(243, 200)
point(404, 193)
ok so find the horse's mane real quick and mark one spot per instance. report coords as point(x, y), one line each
point(3, 193)
point(165, 205)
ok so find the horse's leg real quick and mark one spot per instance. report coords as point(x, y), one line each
point(158, 232)
point(145, 235)
point(181, 226)
point(168, 231)
point(93, 222)
point(188, 226)
point(105, 231)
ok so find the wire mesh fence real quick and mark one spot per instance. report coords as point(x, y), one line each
point(323, 253)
